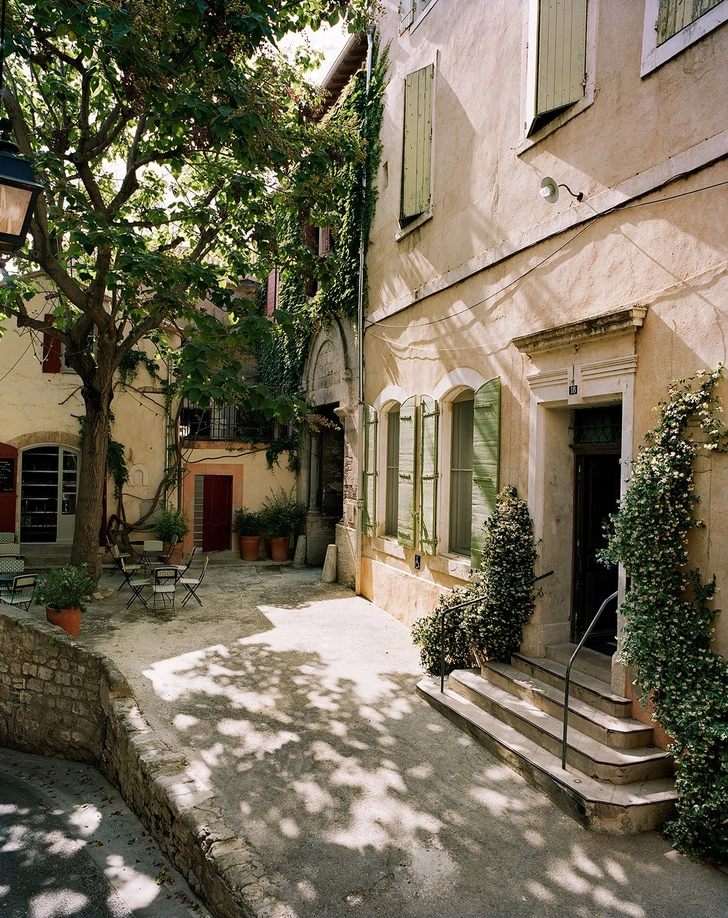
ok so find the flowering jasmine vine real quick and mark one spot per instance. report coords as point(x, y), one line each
point(668, 611)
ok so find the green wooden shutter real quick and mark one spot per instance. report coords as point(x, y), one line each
point(417, 157)
point(561, 54)
point(370, 471)
point(486, 459)
point(676, 15)
point(407, 442)
point(429, 413)
point(406, 14)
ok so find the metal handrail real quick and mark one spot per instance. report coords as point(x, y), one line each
point(568, 675)
point(461, 605)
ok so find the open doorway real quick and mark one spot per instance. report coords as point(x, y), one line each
point(597, 438)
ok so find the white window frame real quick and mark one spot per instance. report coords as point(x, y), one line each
point(391, 398)
point(654, 56)
point(530, 71)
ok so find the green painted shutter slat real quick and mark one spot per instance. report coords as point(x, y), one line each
point(561, 54)
point(429, 414)
point(486, 460)
point(370, 470)
point(406, 14)
point(407, 441)
point(417, 156)
point(676, 15)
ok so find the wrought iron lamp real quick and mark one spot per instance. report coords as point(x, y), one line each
point(18, 188)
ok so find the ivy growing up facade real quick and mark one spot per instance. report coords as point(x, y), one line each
point(669, 615)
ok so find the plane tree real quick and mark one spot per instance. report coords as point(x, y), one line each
point(165, 134)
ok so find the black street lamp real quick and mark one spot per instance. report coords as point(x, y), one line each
point(18, 188)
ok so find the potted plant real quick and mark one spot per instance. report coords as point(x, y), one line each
point(64, 592)
point(172, 526)
point(281, 516)
point(247, 525)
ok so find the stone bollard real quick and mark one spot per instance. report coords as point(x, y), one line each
point(299, 556)
point(328, 574)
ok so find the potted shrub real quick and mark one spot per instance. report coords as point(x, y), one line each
point(64, 592)
point(282, 515)
point(168, 525)
point(247, 525)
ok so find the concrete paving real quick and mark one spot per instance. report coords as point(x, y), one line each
point(295, 700)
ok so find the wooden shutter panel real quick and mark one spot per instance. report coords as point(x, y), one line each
point(561, 54)
point(676, 15)
point(370, 470)
point(417, 158)
point(429, 413)
point(406, 14)
point(486, 459)
point(51, 350)
point(407, 441)
point(271, 293)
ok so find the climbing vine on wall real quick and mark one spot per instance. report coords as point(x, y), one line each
point(668, 613)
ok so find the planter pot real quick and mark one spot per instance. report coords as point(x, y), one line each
point(68, 619)
point(249, 547)
point(278, 546)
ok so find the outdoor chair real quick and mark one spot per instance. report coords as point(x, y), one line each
point(192, 584)
point(164, 586)
point(152, 549)
point(183, 568)
point(10, 564)
point(21, 591)
point(10, 548)
point(168, 555)
point(7, 537)
point(117, 554)
point(135, 584)
point(128, 571)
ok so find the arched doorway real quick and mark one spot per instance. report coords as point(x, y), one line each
point(48, 491)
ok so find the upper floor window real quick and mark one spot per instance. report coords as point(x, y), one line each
point(417, 144)
point(411, 11)
point(672, 25)
point(226, 422)
point(556, 59)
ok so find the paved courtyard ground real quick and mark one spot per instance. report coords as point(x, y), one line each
point(295, 701)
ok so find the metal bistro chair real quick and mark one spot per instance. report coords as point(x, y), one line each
point(183, 568)
point(168, 555)
point(128, 571)
point(21, 591)
point(164, 585)
point(116, 555)
point(192, 584)
point(135, 584)
point(152, 550)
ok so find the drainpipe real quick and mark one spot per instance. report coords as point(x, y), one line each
point(360, 348)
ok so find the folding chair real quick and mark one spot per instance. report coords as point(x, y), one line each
point(21, 591)
point(128, 570)
point(117, 554)
point(152, 549)
point(11, 564)
point(7, 536)
point(10, 548)
point(192, 584)
point(172, 544)
point(183, 568)
point(135, 584)
point(164, 585)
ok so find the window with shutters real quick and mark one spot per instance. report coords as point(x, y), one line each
point(412, 12)
point(417, 144)
point(557, 60)
point(369, 520)
point(672, 25)
point(391, 494)
point(418, 474)
point(52, 350)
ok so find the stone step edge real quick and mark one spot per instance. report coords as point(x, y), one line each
point(580, 743)
point(643, 793)
point(582, 710)
point(579, 680)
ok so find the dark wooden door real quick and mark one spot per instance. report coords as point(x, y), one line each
point(8, 487)
point(597, 496)
point(217, 512)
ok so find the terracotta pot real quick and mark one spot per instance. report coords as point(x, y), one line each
point(68, 619)
point(249, 547)
point(278, 546)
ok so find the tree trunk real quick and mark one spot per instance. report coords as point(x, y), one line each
point(97, 395)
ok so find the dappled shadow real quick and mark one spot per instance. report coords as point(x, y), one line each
point(362, 800)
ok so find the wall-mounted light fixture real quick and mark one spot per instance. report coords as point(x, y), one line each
point(18, 188)
point(550, 191)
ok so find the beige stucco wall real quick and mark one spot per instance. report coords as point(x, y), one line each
point(496, 261)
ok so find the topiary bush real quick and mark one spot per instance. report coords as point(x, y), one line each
point(489, 629)
point(668, 617)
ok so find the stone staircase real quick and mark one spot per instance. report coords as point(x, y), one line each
point(616, 780)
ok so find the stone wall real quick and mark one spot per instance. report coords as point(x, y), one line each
point(59, 699)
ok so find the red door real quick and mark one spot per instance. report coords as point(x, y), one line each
point(8, 489)
point(217, 512)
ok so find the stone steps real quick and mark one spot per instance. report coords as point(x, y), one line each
point(615, 780)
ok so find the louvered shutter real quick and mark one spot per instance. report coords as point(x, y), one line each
point(51, 350)
point(406, 14)
point(370, 470)
point(407, 441)
point(429, 413)
point(676, 15)
point(486, 459)
point(271, 293)
point(417, 157)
